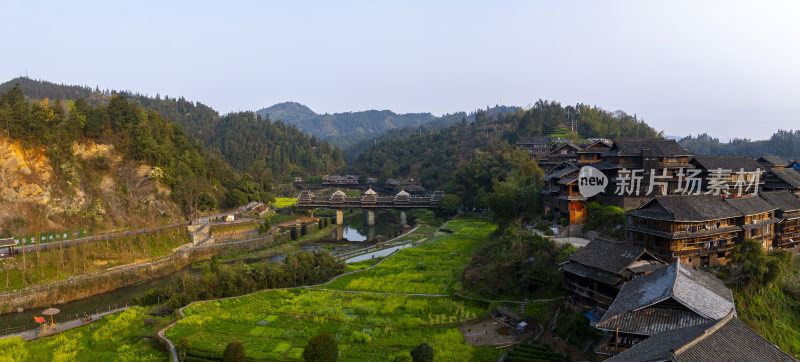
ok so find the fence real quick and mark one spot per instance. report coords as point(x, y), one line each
point(98, 312)
point(117, 278)
point(66, 243)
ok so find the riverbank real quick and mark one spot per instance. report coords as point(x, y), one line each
point(87, 285)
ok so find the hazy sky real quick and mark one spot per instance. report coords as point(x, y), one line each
point(730, 68)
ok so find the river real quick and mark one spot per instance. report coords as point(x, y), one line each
point(354, 229)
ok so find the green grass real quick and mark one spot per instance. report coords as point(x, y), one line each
point(120, 337)
point(431, 268)
point(281, 202)
point(394, 324)
point(361, 265)
point(276, 325)
point(773, 312)
point(281, 218)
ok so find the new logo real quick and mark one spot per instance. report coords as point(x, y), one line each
point(591, 181)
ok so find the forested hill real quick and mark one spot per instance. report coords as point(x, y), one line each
point(434, 156)
point(782, 143)
point(438, 123)
point(343, 129)
point(96, 158)
point(247, 142)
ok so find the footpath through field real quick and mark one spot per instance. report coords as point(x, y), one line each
point(448, 292)
point(33, 334)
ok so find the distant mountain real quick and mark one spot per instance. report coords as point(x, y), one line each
point(342, 129)
point(349, 130)
point(438, 123)
point(289, 112)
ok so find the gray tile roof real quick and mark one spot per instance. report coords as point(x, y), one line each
point(689, 208)
point(772, 160)
point(784, 200)
point(788, 175)
point(533, 140)
point(603, 165)
point(704, 296)
point(561, 172)
point(751, 205)
point(726, 339)
point(608, 256)
point(734, 163)
point(601, 276)
point(659, 148)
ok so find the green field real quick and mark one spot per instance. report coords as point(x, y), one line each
point(431, 268)
point(281, 202)
point(275, 325)
point(126, 336)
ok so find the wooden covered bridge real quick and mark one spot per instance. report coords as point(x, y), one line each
point(370, 200)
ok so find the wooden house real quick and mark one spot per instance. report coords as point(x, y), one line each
point(782, 179)
point(595, 273)
point(771, 161)
point(732, 165)
point(565, 152)
point(725, 339)
point(659, 156)
point(593, 152)
point(787, 232)
point(537, 147)
point(757, 220)
point(700, 229)
point(561, 195)
point(673, 297)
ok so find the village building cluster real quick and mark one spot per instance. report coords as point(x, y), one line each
point(683, 212)
point(678, 204)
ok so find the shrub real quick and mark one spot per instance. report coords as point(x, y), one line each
point(321, 347)
point(234, 352)
point(422, 353)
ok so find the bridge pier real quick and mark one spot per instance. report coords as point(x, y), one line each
point(339, 216)
point(403, 219)
point(371, 217)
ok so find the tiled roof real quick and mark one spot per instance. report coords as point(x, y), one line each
point(689, 208)
point(601, 276)
point(658, 147)
point(595, 147)
point(751, 205)
point(734, 163)
point(784, 200)
point(772, 160)
point(637, 309)
point(533, 140)
point(561, 173)
point(788, 175)
point(726, 339)
point(608, 256)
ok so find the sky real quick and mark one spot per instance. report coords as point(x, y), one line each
point(728, 68)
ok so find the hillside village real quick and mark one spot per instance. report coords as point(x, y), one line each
point(653, 290)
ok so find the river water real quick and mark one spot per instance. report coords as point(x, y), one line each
point(354, 229)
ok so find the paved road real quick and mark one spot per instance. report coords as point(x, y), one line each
point(32, 334)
